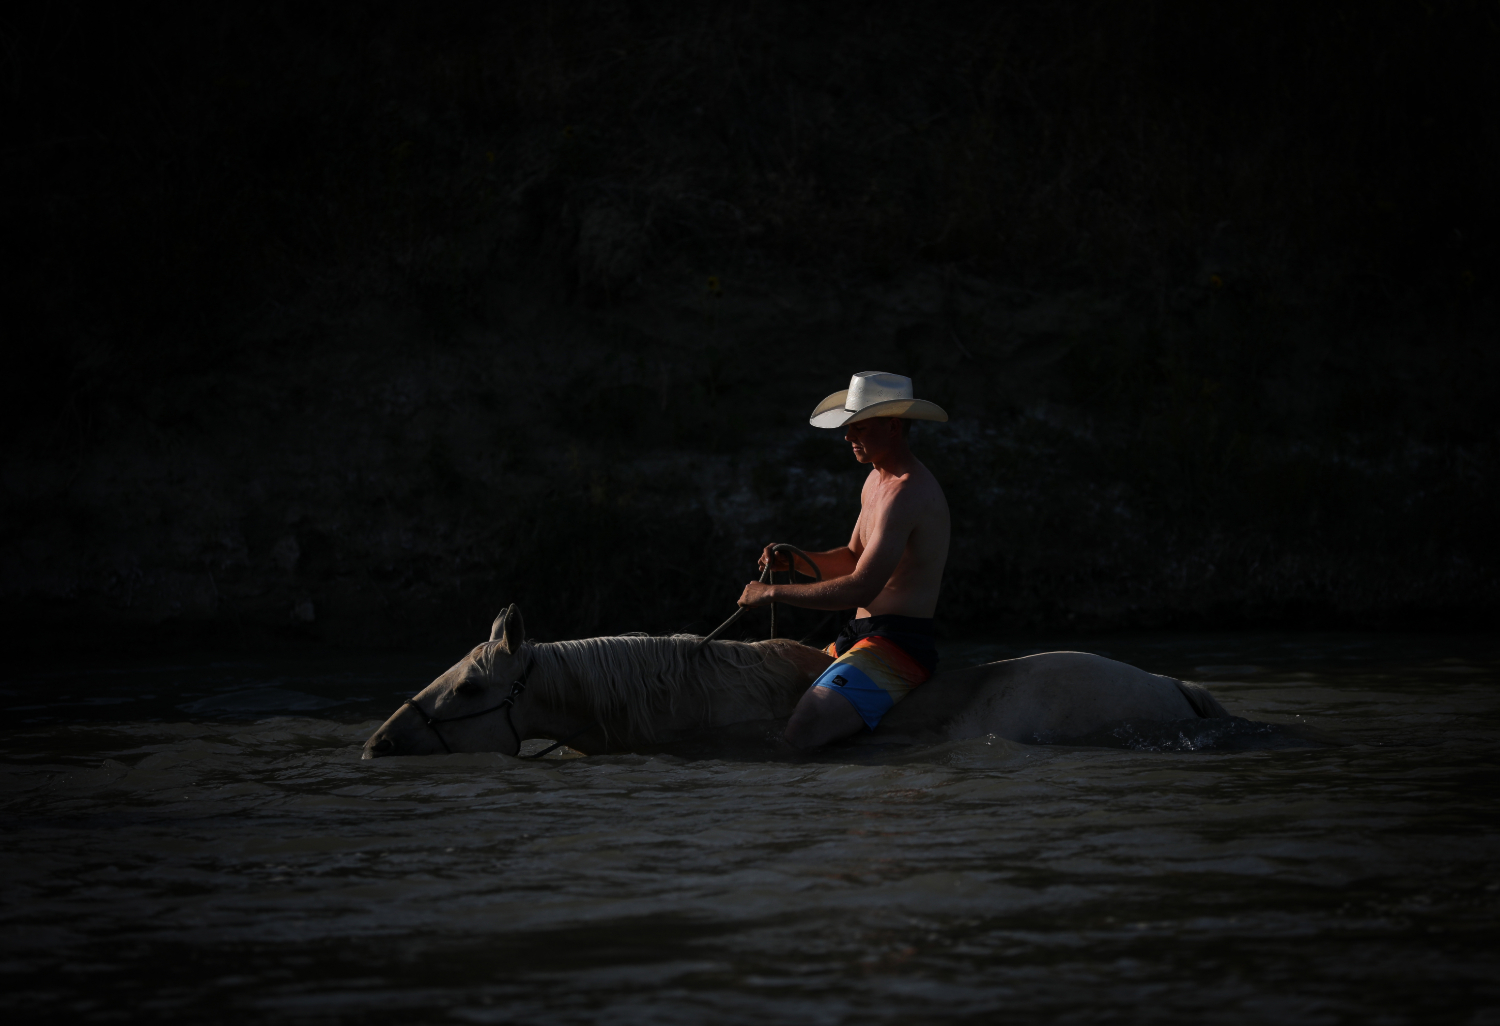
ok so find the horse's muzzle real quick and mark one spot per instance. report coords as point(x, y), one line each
point(378, 746)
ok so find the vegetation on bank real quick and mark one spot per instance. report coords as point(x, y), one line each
point(360, 322)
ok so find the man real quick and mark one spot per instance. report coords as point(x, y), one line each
point(891, 570)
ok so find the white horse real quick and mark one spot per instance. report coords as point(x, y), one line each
point(609, 694)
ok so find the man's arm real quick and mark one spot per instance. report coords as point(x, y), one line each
point(872, 568)
point(837, 562)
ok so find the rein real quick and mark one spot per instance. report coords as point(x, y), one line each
point(768, 576)
point(517, 689)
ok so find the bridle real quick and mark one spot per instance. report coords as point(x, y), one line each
point(517, 689)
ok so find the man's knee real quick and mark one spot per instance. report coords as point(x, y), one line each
point(822, 716)
point(804, 730)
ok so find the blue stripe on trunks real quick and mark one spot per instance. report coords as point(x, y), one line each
point(873, 675)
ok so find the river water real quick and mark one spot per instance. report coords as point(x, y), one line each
point(199, 840)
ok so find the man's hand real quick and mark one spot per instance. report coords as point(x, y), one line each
point(756, 594)
point(776, 560)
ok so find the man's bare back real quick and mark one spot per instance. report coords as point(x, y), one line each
point(892, 566)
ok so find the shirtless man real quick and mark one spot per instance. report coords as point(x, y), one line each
point(891, 570)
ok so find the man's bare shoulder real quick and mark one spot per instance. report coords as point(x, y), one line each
point(912, 493)
point(920, 485)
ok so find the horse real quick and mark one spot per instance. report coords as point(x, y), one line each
point(611, 694)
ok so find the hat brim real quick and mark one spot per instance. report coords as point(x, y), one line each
point(830, 413)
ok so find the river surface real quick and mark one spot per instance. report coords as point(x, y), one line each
point(198, 840)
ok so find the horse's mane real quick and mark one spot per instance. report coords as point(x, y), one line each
point(621, 680)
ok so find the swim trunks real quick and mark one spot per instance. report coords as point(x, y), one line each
point(878, 660)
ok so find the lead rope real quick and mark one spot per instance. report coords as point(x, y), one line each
point(736, 614)
point(766, 577)
point(791, 577)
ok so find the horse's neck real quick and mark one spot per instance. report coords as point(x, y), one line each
point(638, 708)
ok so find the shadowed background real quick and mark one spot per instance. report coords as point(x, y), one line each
point(356, 323)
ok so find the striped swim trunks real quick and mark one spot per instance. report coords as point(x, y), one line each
point(875, 672)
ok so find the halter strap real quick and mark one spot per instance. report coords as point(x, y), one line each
point(517, 689)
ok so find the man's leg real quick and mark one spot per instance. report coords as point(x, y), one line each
point(822, 715)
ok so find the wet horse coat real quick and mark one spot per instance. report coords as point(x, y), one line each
point(607, 694)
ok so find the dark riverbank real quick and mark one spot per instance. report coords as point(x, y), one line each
point(355, 328)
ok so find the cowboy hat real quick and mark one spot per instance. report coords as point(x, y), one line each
point(873, 394)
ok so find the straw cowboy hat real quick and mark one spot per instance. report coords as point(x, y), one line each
point(873, 394)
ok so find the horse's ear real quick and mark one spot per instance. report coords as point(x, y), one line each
point(508, 629)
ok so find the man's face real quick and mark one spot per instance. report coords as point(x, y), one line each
point(871, 439)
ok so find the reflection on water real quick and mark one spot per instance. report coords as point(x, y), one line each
point(200, 841)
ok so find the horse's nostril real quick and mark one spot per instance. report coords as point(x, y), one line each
point(383, 747)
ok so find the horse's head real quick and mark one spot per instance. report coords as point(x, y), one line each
point(464, 710)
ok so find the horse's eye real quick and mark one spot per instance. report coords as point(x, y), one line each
point(470, 688)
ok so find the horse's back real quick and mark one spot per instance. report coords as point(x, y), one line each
point(1047, 695)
